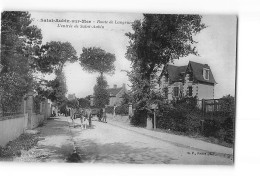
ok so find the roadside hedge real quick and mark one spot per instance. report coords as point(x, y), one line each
point(184, 117)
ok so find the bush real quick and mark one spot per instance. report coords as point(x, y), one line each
point(184, 116)
point(122, 110)
point(110, 109)
point(139, 118)
point(172, 119)
point(211, 128)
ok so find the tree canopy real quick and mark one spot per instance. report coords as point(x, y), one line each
point(84, 102)
point(95, 59)
point(53, 56)
point(155, 41)
point(158, 39)
point(19, 42)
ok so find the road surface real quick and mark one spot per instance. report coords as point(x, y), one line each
point(112, 143)
point(109, 143)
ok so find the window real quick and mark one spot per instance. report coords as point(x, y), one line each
point(206, 73)
point(190, 91)
point(176, 91)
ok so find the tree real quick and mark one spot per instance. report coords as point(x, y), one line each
point(84, 102)
point(97, 60)
point(73, 103)
point(53, 56)
point(19, 42)
point(157, 40)
point(101, 95)
point(58, 89)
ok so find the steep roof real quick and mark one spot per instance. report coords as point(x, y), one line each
point(176, 73)
point(198, 72)
point(114, 91)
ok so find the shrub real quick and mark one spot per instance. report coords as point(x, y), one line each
point(139, 118)
point(122, 110)
point(171, 118)
point(110, 109)
point(211, 128)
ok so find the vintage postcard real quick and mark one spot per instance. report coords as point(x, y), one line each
point(123, 88)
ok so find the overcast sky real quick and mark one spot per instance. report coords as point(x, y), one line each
point(217, 47)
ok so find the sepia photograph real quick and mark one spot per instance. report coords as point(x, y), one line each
point(118, 88)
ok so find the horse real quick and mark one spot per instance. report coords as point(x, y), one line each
point(86, 114)
point(75, 115)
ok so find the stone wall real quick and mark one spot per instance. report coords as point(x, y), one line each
point(12, 127)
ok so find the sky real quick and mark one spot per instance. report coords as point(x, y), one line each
point(216, 46)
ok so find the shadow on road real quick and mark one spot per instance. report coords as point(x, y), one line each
point(119, 153)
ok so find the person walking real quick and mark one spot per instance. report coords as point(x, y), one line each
point(104, 115)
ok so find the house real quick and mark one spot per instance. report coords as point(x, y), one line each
point(194, 79)
point(71, 97)
point(115, 95)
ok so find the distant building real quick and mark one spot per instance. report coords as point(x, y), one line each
point(91, 98)
point(115, 95)
point(72, 97)
point(194, 79)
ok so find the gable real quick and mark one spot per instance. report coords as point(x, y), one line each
point(197, 70)
point(113, 91)
point(175, 73)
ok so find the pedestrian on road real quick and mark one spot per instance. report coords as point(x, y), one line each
point(104, 115)
point(100, 115)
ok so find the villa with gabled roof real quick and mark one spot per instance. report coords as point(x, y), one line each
point(194, 79)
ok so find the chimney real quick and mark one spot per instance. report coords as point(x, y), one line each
point(115, 86)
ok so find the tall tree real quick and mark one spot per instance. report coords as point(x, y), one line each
point(52, 58)
point(97, 60)
point(157, 40)
point(19, 42)
point(84, 102)
point(101, 95)
point(54, 55)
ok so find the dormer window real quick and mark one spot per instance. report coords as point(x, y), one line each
point(206, 73)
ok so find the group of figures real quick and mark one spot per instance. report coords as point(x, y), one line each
point(87, 114)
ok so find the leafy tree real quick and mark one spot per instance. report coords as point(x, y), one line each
point(84, 102)
point(97, 60)
point(19, 42)
point(157, 40)
point(53, 56)
point(73, 103)
point(126, 99)
point(58, 89)
point(101, 95)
